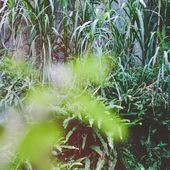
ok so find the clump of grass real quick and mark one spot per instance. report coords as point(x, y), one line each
point(135, 33)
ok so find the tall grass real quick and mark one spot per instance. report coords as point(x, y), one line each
point(135, 34)
point(74, 27)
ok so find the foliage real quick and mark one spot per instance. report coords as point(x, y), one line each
point(15, 79)
point(134, 82)
point(70, 102)
point(143, 94)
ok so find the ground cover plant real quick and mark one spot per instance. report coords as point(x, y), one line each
point(90, 70)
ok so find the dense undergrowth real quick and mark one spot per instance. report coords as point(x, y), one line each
point(134, 84)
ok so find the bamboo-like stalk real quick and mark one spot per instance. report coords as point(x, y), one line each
point(159, 21)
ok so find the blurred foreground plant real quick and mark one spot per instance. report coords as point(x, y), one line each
point(46, 103)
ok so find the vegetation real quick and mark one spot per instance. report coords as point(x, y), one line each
point(84, 84)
